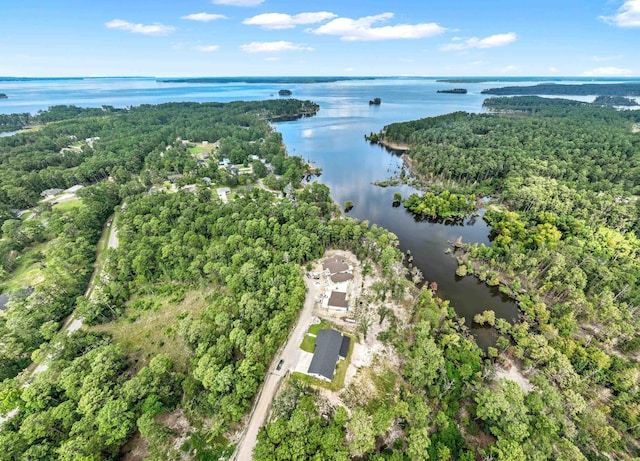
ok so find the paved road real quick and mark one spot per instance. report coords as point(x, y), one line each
point(290, 354)
point(113, 236)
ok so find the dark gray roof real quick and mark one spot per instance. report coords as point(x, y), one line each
point(334, 265)
point(338, 299)
point(341, 277)
point(4, 299)
point(344, 347)
point(325, 356)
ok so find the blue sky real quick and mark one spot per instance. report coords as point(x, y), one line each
point(345, 37)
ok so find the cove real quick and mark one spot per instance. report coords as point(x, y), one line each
point(334, 141)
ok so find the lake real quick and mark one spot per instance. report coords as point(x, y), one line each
point(334, 141)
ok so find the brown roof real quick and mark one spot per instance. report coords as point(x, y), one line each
point(338, 299)
point(334, 265)
point(341, 277)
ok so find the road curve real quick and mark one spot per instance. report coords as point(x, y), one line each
point(290, 355)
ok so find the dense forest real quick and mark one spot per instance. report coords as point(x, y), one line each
point(183, 318)
point(565, 245)
point(565, 89)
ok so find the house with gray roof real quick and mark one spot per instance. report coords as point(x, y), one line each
point(331, 346)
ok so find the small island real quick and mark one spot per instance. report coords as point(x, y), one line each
point(454, 91)
point(3, 96)
point(284, 93)
point(375, 102)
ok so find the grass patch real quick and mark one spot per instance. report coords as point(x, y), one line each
point(28, 271)
point(314, 329)
point(198, 149)
point(338, 378)
point(149, 326)
point(309, 342)
point(69, 205)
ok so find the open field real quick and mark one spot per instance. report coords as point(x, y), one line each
point(148, 326)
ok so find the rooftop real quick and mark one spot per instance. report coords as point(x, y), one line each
point(341, 277)
point(326, 354)
point(338, 299)
point(334, 265)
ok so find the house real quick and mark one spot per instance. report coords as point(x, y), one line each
point(205, 155)
point(338, 301)
point(4, 299)
point(207, 180)
point(48, 193)
point(222, 193)
point(224, 162)
point(331, 346)
point(90, 141)
point(254, 157)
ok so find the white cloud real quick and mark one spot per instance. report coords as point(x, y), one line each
point(488, 42)
point(204, 17)
point(607, 72)
point(553, 70)
point(362, 29)
point(206, 48)
point(509, 69)
point(145, 29)
point(273, 47)
point(628, 15)
point(237, 2)
point(606, 58)
point(287, 21)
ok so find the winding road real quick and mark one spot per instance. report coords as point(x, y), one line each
point(290, 355)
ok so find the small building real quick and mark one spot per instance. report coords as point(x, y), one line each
point(205, 155)
point(47, 193)
point(90, 141)
point(172, 177)
point(191, 188)
point(338, 301)
point(222, 193)
point(331, 346)
point(207, 180)
point(4, 299)
point(254, 157)
point(224, 162)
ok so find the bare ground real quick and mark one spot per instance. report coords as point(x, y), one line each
point(511, 371)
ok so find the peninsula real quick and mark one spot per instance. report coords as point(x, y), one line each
point(586, 89)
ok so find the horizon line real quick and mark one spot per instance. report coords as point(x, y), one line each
point(13, 77)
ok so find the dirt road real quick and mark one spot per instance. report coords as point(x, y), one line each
point(290, 355)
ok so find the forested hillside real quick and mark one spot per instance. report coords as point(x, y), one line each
point(565, 246)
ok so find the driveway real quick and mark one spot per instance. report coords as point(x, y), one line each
point(290, 355)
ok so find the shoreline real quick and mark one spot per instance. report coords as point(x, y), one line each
point(400, 146)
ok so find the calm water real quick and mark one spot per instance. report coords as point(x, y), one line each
point(334, 141)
